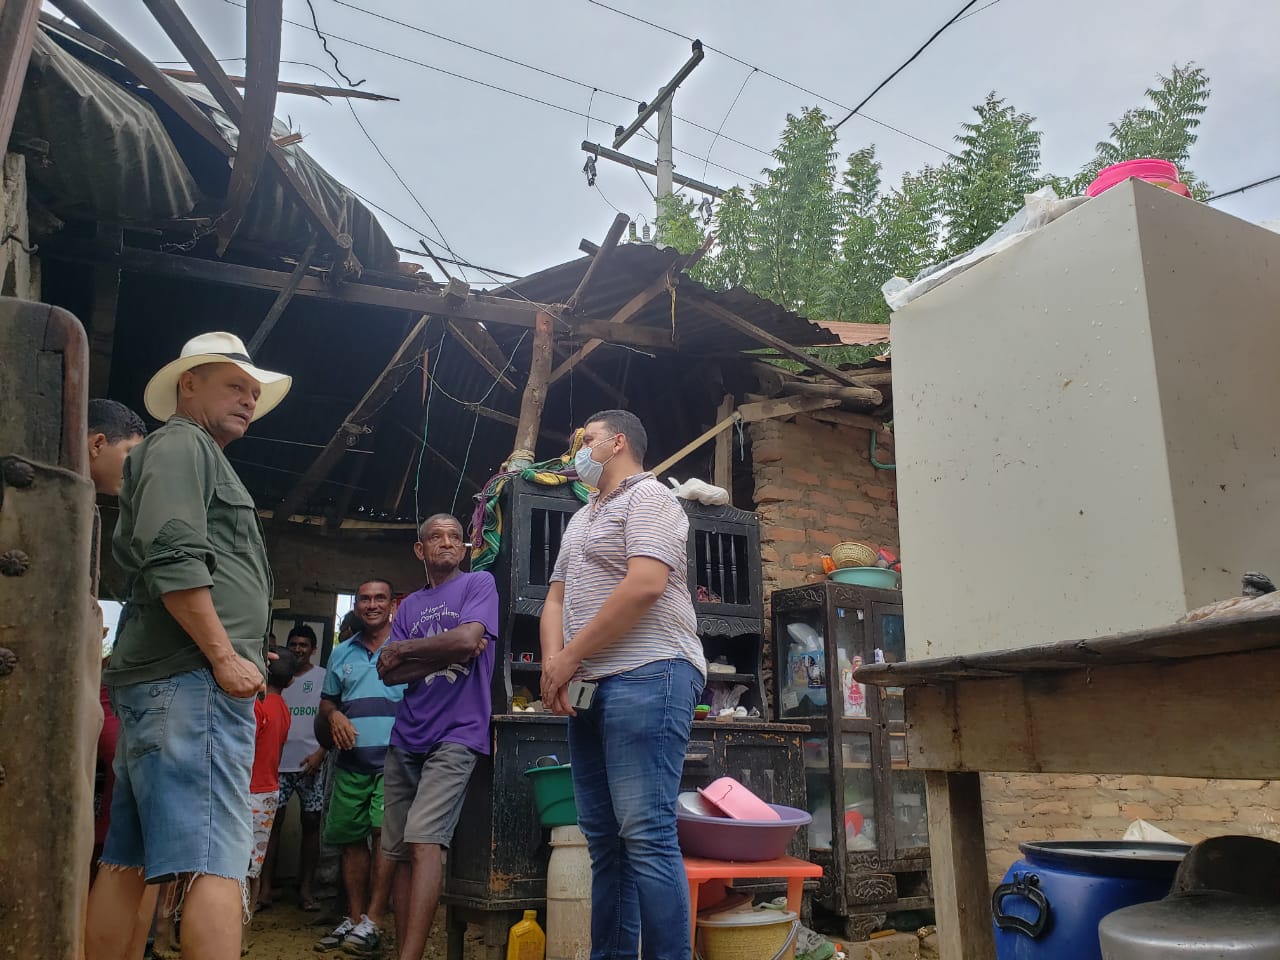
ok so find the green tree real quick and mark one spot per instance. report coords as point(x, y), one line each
point(1164, 128)
point(853, 293)
point(733, 257)
point(794, 216)
point(678, 225)
point(984, 185)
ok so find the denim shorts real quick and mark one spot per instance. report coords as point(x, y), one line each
point(183, 759)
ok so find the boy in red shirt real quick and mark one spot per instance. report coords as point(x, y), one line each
point(264, 785)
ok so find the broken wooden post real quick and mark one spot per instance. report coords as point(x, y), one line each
point(535, 395)
point(722, 469)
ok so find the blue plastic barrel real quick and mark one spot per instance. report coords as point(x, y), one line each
point(1051, 901)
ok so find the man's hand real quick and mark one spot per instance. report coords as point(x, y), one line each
point(313, 761)
point(239, 677)
point(388, 659)
point(557, 671)
point(342, 730)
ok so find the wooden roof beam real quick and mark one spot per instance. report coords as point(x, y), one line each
point(476, 307)
point(731, 319)
point(479, 342)
point(319, 91)
point(598, 259)
point(18, 20)
point(192, 47)
point(381, 390)
point(263, 22)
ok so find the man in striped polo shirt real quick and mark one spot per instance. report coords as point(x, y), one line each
point(618, 614)
point(357, 712)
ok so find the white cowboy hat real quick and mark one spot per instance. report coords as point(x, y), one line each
point(161, 395)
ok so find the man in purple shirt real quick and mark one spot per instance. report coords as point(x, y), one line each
point(440, 646)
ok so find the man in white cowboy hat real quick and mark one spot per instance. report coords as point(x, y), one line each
point(189, 658)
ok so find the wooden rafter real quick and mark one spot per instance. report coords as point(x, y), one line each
point(631, 309)
point(192, 47)
point(626, 313)
point(319, 91)
point(263, 22)
point(604, 385)
point(18, 20)
point(383, 387)
point(729, 318)
point(282, 299)
point(534, 397)
point(598, 260)
point(479, 342)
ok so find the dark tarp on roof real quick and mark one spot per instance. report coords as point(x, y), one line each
point(633, 266)
point(116, 153)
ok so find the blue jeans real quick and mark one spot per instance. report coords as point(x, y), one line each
point(183, 759)
point(628, 753)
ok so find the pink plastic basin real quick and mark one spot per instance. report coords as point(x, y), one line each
point(1160, 172)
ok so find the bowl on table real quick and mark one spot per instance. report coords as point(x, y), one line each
point(723, 838)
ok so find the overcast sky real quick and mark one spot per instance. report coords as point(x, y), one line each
point(502, 176)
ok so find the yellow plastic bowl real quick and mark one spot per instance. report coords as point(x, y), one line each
point(746, 935)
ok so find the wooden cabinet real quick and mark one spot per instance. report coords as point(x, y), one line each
point(870, 825)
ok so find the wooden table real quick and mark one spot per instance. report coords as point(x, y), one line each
point(1191, 700)
point(713, 873)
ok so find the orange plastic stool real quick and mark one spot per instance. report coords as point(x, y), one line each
point(713, 874)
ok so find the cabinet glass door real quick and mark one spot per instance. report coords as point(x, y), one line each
point(802, 662)
point(817, 781)
point(850, 630)
point(910, 816)
point(859, 793)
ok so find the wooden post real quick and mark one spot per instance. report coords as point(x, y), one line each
point(722, 472)
point(18, 20)
point(535, 394)
point(958, 850)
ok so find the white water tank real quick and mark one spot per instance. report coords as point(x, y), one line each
point(568, 896)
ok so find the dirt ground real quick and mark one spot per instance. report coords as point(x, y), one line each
point(285, 932)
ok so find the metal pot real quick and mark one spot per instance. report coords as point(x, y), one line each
point(1200, 925)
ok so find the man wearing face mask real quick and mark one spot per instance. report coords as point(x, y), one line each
point(618, 614)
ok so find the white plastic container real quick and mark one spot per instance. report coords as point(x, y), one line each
point(568, 896)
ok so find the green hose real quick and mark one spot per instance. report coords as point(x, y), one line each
point(876, 463)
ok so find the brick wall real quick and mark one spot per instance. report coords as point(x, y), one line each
point(1022, 807)
point(814, 487)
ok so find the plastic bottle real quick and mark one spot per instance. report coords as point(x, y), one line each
point(526, 941)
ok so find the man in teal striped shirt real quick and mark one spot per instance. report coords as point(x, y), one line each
point(357, 712)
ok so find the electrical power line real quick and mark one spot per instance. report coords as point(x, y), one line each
point(772, 76)
point(906, 63)
point(736, 98)
point(1247, 186)
point(594, 88)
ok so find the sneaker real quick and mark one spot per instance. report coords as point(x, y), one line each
point(362, 941)
point(332, 941)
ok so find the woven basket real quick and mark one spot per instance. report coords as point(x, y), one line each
point(850, 554)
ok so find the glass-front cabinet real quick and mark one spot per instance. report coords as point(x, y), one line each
point(870, 825)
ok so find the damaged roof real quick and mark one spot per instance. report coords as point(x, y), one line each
point(632, 267)
point(102, 147)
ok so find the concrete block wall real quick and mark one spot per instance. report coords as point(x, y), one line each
point(1025, 806)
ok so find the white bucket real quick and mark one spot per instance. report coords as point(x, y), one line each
point(568, 896)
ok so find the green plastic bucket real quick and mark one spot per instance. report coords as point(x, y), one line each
point(553, 793)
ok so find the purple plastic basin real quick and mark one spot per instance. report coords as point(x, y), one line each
point(721, 838)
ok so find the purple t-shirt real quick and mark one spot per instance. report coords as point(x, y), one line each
point(451, 705)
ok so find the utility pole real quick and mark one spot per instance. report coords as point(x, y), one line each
point(662, 109)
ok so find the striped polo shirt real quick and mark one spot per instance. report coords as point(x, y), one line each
point(353, 684)
point(640, 518)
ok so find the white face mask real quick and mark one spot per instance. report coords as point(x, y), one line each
point(590, 470)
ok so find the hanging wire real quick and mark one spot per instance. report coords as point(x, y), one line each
point(325, 43)
point(426, 420)
point(737, 96)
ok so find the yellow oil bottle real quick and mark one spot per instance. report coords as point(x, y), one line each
point(526, 941)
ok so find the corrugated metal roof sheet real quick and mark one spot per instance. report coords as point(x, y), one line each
point(633, 266)
point(858, 334)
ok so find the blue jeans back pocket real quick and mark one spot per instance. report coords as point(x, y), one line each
point(143, 709)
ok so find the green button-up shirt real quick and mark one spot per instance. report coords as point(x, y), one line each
point(186, 521)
